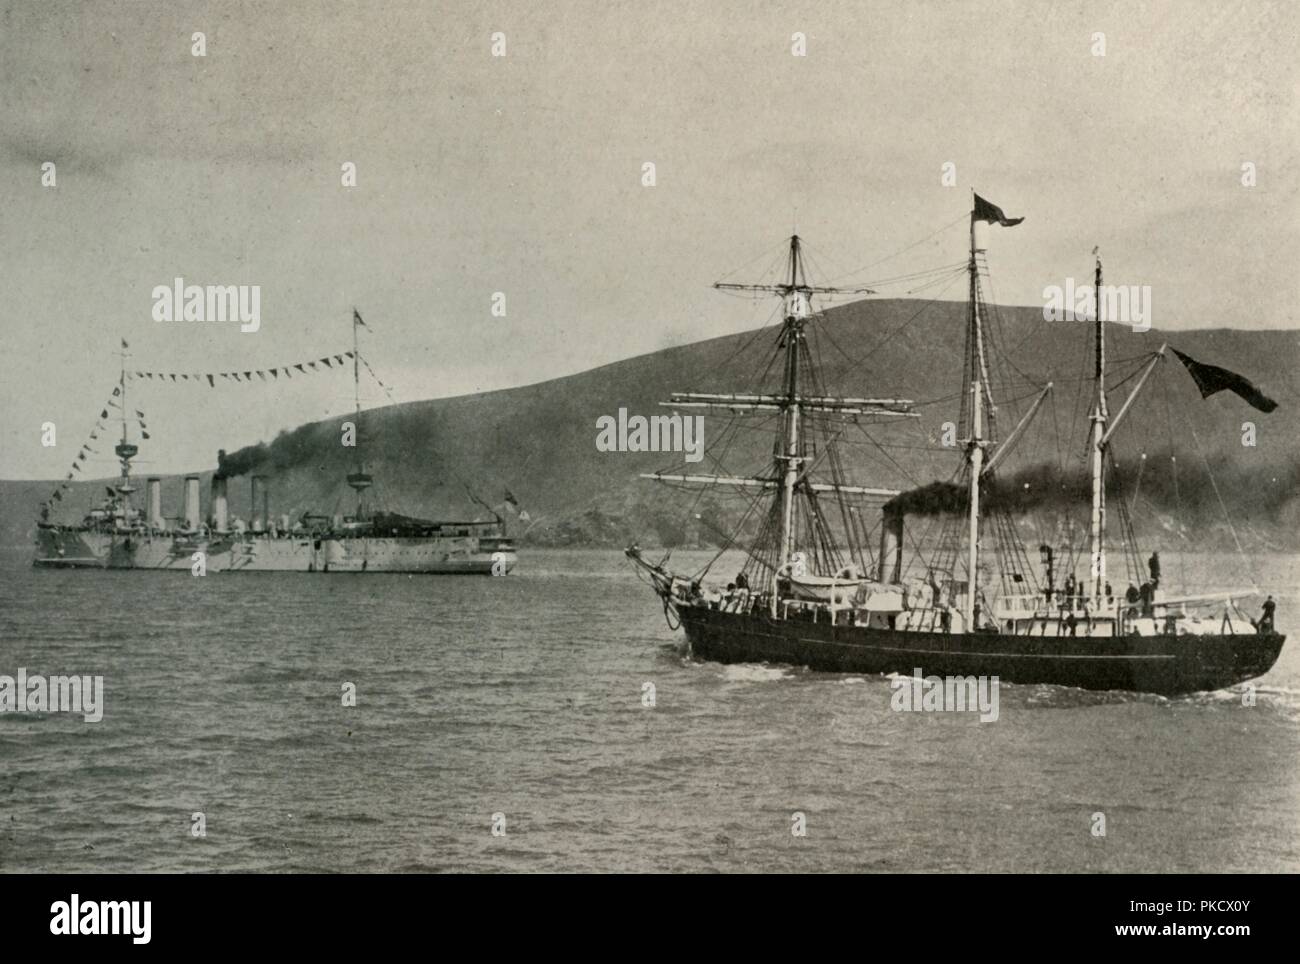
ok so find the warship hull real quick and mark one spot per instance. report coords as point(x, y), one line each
point(72, 548)
point(1162, 664)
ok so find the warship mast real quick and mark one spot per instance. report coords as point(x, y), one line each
point(124, 449)
point(358, 480)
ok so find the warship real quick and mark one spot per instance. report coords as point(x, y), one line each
point(118, 534)
point(811, 595)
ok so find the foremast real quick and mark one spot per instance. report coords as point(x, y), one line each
point(125, 449)
point(796, 294)
point(797, 309)
point(791, 480)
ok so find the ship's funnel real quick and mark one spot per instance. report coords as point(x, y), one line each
point(220, 510)
point(193, 518)
point(890, 563)
point(257, 508)
point(155, 502)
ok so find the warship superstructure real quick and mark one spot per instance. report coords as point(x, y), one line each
point(119, 534)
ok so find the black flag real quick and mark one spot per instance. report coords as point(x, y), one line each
point(987, 211)
point(1210, 379)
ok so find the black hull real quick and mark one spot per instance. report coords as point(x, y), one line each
point(1167, 665)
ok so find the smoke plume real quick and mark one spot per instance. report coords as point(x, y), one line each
point(243, 461)
point(1166, 481)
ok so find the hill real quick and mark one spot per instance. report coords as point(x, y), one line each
point(539, 441)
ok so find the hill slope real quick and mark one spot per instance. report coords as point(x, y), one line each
point(539, 440)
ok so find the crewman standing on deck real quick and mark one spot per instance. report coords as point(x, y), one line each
point(1265, 624)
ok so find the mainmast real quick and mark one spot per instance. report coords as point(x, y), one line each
point(977, 373)
point(1099, 419)
point(359, 480)
point(975, 443)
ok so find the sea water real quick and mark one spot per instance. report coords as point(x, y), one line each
point(505, 724)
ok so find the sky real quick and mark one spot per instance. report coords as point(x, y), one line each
point(523, 174)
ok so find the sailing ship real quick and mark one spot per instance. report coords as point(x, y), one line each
point(118, 534)
point(810, 595)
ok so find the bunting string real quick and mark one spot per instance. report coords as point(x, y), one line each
point(311, 367)
point(387, 390)
point(246, 375)
point(86, 449)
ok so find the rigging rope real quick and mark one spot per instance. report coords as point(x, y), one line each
point(963, 217)
point(1226, 517)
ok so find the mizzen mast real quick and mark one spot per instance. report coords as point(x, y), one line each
point(1099, 435)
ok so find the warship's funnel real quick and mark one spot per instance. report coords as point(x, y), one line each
point(192, 516)
point(890, 562)
point(220, 509)
point(258, 506)
point(155, 502)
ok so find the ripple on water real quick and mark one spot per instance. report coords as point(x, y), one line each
point(524, 696)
